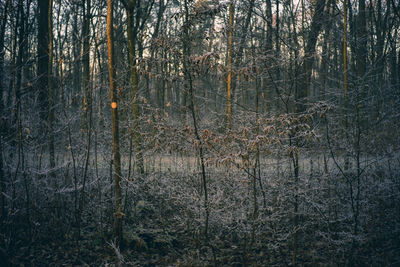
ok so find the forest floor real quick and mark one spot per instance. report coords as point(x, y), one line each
point(164, 217)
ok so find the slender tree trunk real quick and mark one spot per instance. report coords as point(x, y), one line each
point(361, 40)
point(76, 90)
point(86, 61)
point(244, 36)
point(294, 155)
point(86, 105)
point(266, 83)
point(43, 60)
point(153, 49)
point(229, 79)
point(256, 166)
point(189, 79)
point(315, 28)
point(134, 87)
point(20, 58)
point(345, 86)
point(44, 52)
point(277, 54)
point(345, 83)
point(394, 67)
point(381, 31)
point(118, 215)
point(51, 90)
point(325, 55)
point(306, 67)
point(21, 23)
point(2, 52)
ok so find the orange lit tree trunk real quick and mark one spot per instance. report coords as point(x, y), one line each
point(115, 127)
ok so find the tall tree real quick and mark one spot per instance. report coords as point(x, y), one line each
point(132, 32)
point(229, 79)
point(2, 121)
point(345, 84)
point(50, 89)
point(87, 101)
point(118, 215)
point(361, 40)
point(86, 58)
point(267, 84)
point(76, 49)
point(44, 55)
point(43, 58)
point(22, 38)
point(277, 52)
point(188, 75)
point(311, 41)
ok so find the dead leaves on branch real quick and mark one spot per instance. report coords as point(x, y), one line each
point(240, 146)
point(204, 63)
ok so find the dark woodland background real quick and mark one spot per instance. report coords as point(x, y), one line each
point(200, 133)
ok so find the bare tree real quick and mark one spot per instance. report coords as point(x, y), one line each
point(118, 215)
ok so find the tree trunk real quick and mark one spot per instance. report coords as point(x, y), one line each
point(2, 52)
point(189, 79)
point(277, 55)
point(134, 86)
point(43, 59)
point(316, 25)
point(51, 90)
point(229, 79)
point(345, 86)
point(76, 80)
point(86, 61)
point(87, 103)
point(44, 53)
point(118, 215)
